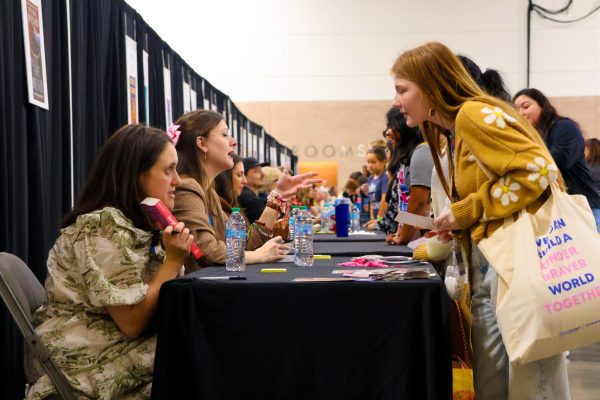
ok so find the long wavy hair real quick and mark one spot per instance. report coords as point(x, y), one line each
point(490, 81)
point(194, 124)
point(224, 184)
point(549, 114)
point(114, 180)
point(447, 85)
point(405, 137)
point(593, 146)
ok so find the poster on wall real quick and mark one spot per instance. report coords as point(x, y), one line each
point(132, 80)
point(229, 115)
point(250, 144)
point(236, 133)
point(283, 159)
point(243, 142)
point(187, 106)
point(146, 86)
point(274, 156)
point(193, 100)
point(261, 147)
point(35, 54)
point(168, 102)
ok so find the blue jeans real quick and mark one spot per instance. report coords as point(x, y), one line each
point(494, 376)
point(596, 212)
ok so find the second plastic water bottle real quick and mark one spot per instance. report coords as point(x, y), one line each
point(292, 223)
point(235, 240)
point(355, 218)
point(325, 217)
point(303, 239)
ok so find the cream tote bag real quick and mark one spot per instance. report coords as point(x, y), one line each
point(548, 267)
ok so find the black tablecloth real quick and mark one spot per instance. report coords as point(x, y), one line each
point(270, 338)
point(354, 249)
point(331, 237)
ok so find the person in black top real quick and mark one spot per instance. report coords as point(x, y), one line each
point(592, 156)
point(565, 142)
point(249, 199)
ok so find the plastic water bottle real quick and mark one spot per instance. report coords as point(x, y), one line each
point(303, 239)
point(235, 240)
point(331, 217)
point(360, 212)
point(355, 218)
point(325, 217)
point(292, 221)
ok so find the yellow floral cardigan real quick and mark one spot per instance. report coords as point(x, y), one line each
point(524, 168)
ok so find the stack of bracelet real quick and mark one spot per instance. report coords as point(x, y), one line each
point(262, 229)
point(277, 202)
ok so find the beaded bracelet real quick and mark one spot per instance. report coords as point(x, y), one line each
point(277, 202)
point(262, 229)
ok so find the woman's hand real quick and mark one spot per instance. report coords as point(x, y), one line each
point(132, 319)
point(396, 238)
point(273, 250)
point(372, 225)
point(176, 241)
point(446, 221)
point(443, 235)
point(392, 238)
point(288, 185)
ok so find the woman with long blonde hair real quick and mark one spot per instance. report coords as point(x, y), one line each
point(498, 165)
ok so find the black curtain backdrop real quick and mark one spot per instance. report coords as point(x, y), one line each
point(35, 144)
point(99, 97)
point(177, 86)
point(34, 163)
point(203, 93)
point(196, 85)
point(156, 81)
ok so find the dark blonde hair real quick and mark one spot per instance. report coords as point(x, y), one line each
point(447, 85)
point(377, 143)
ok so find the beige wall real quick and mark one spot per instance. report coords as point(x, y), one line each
point(340, 131)
point(584, 110)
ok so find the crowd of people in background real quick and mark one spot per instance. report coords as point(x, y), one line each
point(442, 124)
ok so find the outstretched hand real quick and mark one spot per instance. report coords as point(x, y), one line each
point(288, 185)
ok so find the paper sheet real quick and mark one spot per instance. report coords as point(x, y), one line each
point(415, 220)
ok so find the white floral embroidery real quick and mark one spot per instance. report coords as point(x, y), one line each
point(546, 173)
point(498, 116)
point(506, 191)
point(484, 218)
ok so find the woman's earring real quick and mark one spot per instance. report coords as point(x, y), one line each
point(431, 112)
